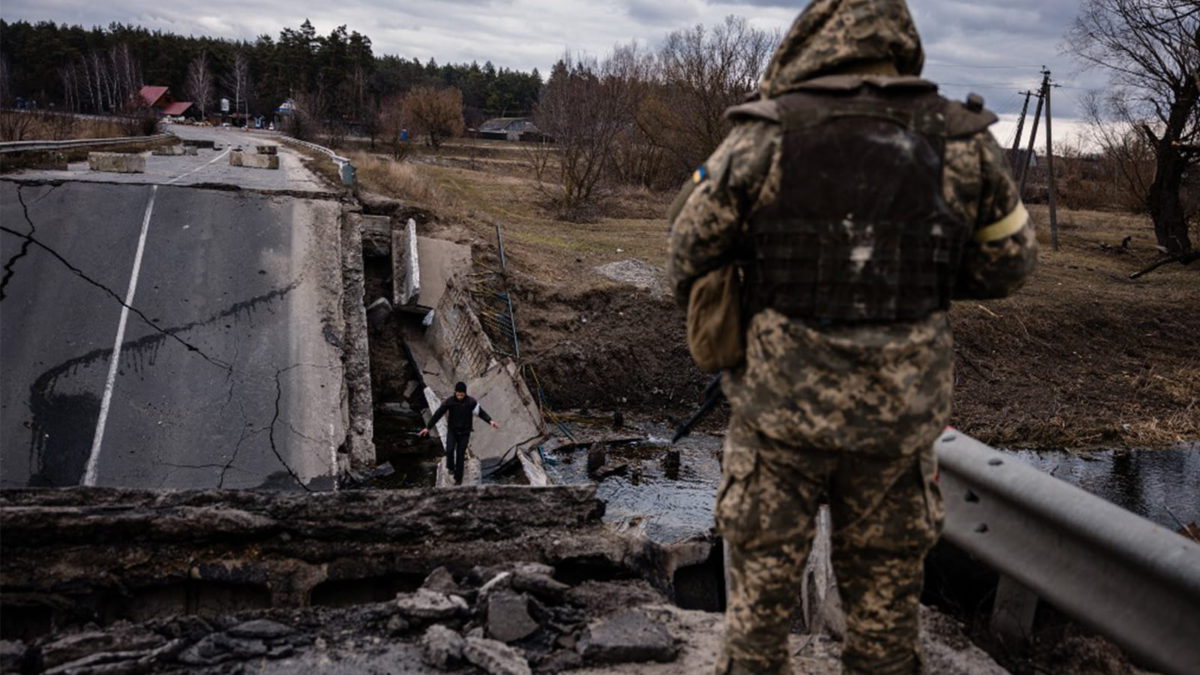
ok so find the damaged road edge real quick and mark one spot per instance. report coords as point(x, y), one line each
point(357, 452)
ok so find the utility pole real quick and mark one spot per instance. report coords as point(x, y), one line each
point(1020, 126)
point(1050, 163)
point(1037, 116)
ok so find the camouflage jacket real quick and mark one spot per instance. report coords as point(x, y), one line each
point(875, 389)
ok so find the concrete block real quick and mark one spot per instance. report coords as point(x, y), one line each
point(168, 151)
point(249, 161)
point(267, 149)
point(116, 162)
point(406, 264)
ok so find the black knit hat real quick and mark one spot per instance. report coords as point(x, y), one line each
point(461, 386)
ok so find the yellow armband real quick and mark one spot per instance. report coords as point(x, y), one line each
point(1005, 227)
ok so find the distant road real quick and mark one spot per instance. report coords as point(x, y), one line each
point(223, 370)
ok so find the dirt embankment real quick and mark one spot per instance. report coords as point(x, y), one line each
point(1081, 357)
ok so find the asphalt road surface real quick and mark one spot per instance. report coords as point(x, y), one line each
point(158, 331)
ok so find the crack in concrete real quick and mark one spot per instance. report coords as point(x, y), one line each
point(8, 267)
point(271, 429)
point(42, 399)
point(149, 322)
point(318, 195)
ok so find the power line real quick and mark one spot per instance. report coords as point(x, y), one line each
point(946, 64)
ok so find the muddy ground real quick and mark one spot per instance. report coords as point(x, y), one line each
point(1082, 357)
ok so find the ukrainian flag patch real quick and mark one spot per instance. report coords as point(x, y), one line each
point(700, 174)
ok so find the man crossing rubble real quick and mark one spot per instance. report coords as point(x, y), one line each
point(851, 203)
point(460, 411)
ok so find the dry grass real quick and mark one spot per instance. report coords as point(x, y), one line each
point(1083, 356)
point(46, 126)
point(381, 174)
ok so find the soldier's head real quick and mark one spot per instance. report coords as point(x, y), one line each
point(832, 36)
point(460, 390)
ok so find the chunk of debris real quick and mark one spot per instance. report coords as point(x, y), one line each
point(442, 647)
point(626, 636)
point(495, 658)
point(261, 629)
point(442, 581)
point(508, 617)
point(431, 605)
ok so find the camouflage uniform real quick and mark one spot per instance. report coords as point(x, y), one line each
point(847, 413)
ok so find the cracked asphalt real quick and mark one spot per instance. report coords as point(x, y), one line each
point(164, 336)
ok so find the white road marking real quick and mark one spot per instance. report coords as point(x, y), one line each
point(205, 166)
point(89, 476)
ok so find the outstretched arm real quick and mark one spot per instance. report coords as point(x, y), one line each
point(485, 417)
point(437, 415)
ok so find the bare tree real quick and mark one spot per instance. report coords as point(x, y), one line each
point(436, 114)
point(584, 108)
point(200, 83)
point(240, 83)
point(1152, 50)
point(703, 72)
point(1126, 154)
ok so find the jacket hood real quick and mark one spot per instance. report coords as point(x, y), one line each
point(833, 36)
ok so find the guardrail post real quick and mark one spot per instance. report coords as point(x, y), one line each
point(1013, 612)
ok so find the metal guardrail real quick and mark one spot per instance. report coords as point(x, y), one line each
point(345, 168)
point(1130, 579)
point(26, 146)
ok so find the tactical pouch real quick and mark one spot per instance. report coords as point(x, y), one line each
point(715, 334)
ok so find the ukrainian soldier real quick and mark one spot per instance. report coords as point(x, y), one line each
point(854, 203)
point(460, 411)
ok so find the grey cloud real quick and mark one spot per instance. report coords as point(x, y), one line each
point(994, 47)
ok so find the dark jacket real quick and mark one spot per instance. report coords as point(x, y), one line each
point(458, 413)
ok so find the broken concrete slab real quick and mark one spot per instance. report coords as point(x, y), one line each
point(508, 617)
point(267, 149)
point(439, 261)
point(627, 636)
point(253, 161)
point(116, 162)
point(442, 647)
point(406, 264)
point(100, 540)
point(431, 605)
point(495, 658)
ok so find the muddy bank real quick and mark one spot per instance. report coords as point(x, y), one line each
point(1083, 357)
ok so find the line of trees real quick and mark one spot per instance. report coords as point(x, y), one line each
point(339, 76)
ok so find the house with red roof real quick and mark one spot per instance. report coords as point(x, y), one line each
point(160, 99)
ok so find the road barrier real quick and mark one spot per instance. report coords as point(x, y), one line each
point(1132, 580)
point(345, 168)
point(26, 146)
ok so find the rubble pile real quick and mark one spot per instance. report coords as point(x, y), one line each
point(510, 619)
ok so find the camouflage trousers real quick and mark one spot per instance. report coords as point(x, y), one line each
point(886, 514)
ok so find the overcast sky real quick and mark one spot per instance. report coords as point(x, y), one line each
point(993, 47)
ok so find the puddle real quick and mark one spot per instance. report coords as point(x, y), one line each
point(1160, 485)
point(664, 503)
